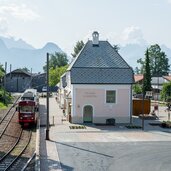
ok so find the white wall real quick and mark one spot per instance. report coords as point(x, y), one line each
point(95, 95)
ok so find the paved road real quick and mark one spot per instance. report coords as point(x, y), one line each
point(109, 148)
point(118, 156)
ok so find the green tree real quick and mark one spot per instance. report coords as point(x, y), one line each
point(142, 63)
point(147, 73)
point(57, 60)
point(55, 74)
point(137, 89)
point(137, 70)
point(79, 45)
point(116, 47)
point(165, 94)
point(2, 71)
point(25, 69)
point(158, 61)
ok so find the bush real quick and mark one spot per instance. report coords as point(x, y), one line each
point(2, 106)
point(166, 124)
point(7, 99)
point(133, 127)
point(137, 89)
point(165, 93)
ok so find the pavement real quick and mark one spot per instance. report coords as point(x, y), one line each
point(60, 134)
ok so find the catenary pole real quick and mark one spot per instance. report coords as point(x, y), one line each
point(47, 98)
point(5, 83)
point(143, 103)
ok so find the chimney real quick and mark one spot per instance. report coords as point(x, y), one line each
point(95, 36)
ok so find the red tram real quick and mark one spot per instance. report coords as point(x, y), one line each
point(27, 112)
point(28, 107)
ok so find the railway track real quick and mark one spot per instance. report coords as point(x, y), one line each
point(5, 121)
point(13, 159)
point(14, 154)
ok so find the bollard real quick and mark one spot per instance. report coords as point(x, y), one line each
point(53, 121)
point(169, 116)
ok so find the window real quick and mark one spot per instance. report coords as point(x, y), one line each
point(110, 96)
point(26, 109)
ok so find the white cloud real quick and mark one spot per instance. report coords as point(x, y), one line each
point(132, 34)
point(3, 25)
point(19, 12)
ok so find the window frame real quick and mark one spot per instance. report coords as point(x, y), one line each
point(106, 98)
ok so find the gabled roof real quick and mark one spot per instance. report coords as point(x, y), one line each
point(100, 65)
point(102, 56)
point(154, 80)
point(138, 77)
point(168, 77)
point(20, 71)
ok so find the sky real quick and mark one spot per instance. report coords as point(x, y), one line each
point(65, 22)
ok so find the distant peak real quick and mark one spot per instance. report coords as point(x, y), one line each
point(50, 46)
point(12, 42)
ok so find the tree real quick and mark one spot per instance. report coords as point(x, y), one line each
point(2, 71)
point(137, 70)
point(147, 73)
point(25, 69)
point(137, 89)
point(165, 94)
point(79, 45)
point(57, 60)
point(55, 74)
point(141, 62)
point(116, 47)
point(158, 61)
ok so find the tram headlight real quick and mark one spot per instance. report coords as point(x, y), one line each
point(21, 117)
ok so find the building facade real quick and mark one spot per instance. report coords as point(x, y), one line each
point(98, 85)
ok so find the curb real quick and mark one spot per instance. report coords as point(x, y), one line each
point(37, 165)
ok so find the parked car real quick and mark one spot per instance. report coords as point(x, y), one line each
point(44, 89)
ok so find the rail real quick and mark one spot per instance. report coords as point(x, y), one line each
point(10, 158)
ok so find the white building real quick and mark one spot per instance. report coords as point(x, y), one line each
point(98, 85)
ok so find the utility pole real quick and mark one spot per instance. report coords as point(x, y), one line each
point(143, 103)
point(47, 99)
point(10, 70)
point(31, 79)
point(5, 83)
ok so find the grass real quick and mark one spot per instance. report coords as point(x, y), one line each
point(2, 106)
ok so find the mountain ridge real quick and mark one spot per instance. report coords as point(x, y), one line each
point(21, 54)
point(24, 55)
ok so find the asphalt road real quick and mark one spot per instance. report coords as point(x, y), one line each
point(103, 149)
point(115, 156)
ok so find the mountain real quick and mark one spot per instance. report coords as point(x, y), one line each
point(12, 43)
point(20, 54)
